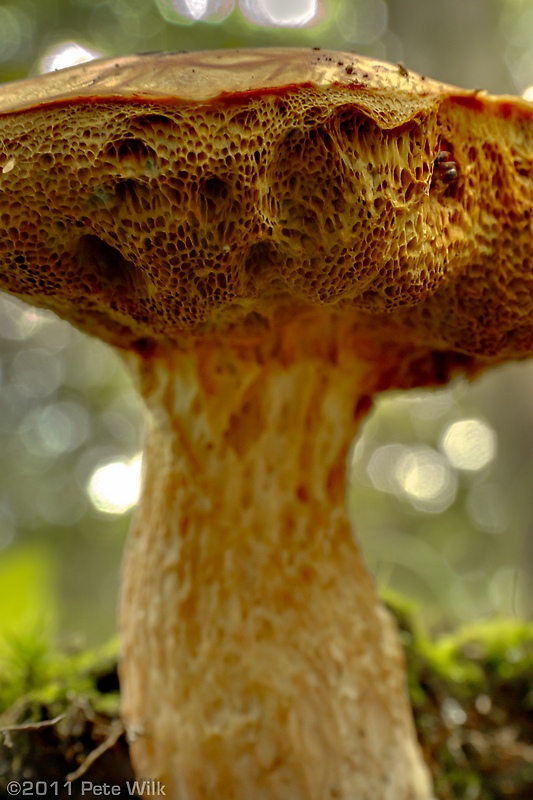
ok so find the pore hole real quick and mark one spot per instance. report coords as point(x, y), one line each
point(133, 194)
point(107, 265)
point(131, 150)
point(260, 257)
point(153, 122)
point(213, 195)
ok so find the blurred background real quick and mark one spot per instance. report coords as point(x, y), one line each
point(441, 482)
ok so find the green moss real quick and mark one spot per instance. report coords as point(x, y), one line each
point(77, 693)
point(30, 666)
point(472, 695)
point(499, 647)
point(471, 692)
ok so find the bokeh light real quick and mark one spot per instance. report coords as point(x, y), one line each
point(281, 13)
point(266, 13)
point(426, 479)
point(416, 473)
point(187, 11)
point(469, 444)
point(114, 488)
point(67, 54)
point(382, 465)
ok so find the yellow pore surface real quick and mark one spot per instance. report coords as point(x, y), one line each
point(142, 200)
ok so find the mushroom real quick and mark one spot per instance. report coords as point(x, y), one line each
point(269, 237)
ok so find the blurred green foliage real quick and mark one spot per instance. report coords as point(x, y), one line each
point(66, 405)
point(28, 599)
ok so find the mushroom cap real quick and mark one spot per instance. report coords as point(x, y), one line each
point(199, 76)
point(153, 197)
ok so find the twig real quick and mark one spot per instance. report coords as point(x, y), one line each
point(31, 726)
point(117, 729)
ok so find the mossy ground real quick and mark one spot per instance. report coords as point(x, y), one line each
point(472, 696)
point(59, 714)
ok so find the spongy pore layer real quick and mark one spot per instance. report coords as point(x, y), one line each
point(144, 217)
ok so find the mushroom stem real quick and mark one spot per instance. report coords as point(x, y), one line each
point(258, 661)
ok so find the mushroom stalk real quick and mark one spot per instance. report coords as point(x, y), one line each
point(257, 660)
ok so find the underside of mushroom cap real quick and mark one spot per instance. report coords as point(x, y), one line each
point(151, 197)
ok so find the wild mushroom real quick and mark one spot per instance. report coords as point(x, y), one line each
point(269, 237)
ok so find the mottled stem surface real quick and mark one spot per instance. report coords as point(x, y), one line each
point(258, 661)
